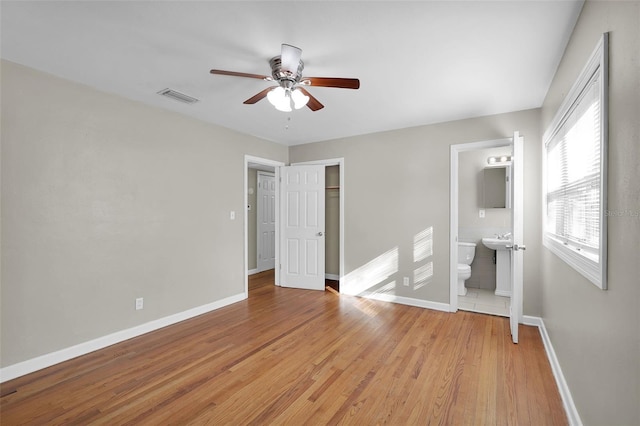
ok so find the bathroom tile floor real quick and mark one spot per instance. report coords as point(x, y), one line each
point(484, 301)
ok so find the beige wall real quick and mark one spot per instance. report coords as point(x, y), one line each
point(471, 227)
point(595, 333)
point(397, 187)
point(105, 200)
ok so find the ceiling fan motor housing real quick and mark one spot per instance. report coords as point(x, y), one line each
point(285, 78)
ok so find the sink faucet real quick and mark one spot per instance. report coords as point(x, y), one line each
point(505, 236)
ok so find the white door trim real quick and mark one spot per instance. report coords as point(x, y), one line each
point(249, 159)
point(453, 211)
point(335, 162)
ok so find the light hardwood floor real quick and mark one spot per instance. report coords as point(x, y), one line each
point(296, 357)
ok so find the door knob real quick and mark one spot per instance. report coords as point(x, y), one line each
point(319, 234)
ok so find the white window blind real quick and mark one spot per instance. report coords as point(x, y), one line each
point(575, 160)
point(573, 176)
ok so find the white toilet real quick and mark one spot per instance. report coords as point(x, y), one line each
point(466, 253)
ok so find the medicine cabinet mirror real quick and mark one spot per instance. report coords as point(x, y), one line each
point(496, 187)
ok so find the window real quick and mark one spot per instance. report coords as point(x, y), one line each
point(574, 163)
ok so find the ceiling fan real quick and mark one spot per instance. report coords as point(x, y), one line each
point(286, 70)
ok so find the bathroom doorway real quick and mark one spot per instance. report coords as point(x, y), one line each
point(474, 218)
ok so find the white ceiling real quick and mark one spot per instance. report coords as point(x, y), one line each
point(418, 62)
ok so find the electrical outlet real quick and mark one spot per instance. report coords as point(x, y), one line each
point(481, 213)
point(405, 281)
point(139, 303)
point(232, 215)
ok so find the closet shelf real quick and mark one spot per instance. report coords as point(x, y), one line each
point(332, 187)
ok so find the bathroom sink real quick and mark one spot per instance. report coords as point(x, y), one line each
point(503, 263)
point(496, 243)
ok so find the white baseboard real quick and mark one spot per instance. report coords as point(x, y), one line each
point(503, 293)
point(332, 277)
point(410, 301)
point(29, 366)
point(563, 387)
point(529, 320)
point(252, 271)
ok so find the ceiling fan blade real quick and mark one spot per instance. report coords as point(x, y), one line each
point(341, 83)
point(257, 97)
point(290, 58)
point(313, 103)
point(241, 74)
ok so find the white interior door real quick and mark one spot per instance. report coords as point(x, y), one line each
point(517, 250)
point(302, 211)
point(266, 226)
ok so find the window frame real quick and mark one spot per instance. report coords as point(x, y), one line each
point(574, 256)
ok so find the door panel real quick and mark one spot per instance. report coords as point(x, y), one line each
point(303, 196)
point(517, 250)
point(266, 240)
point(293, 209)
point(293, 257)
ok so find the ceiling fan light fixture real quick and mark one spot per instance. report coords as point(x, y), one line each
point(280, 99)
point(299, 99)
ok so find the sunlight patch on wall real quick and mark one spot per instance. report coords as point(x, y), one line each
point(423, 245)
point(371, 274)
point(387, 288)
point(422, 275)
point(423, 250)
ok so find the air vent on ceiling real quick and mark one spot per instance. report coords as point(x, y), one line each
point(169, 93)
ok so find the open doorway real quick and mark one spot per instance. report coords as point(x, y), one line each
point(332, 227)
point(269, 170)
point(334, 219)
point(477, 276)
point(334, 196)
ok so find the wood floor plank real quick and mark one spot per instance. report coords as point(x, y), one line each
point(287, 356)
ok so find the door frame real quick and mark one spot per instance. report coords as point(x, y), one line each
point(453, 211)
point(249, 159)
point(340, 163)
